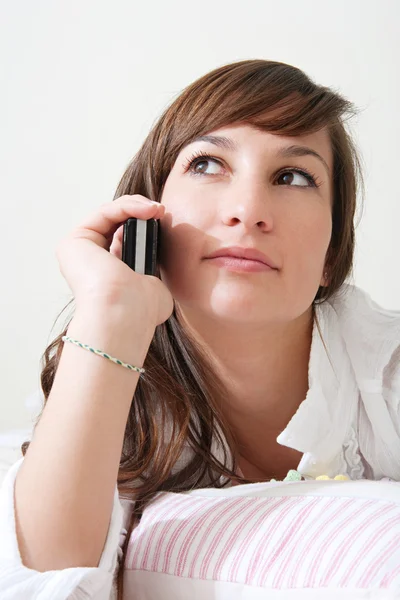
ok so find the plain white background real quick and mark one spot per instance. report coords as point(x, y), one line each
point(83, 81)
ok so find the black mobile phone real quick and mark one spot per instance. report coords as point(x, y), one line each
point(140, 245)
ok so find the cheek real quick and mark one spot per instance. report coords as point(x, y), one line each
point(184, 228)
point(182, 245)
point(307, 244)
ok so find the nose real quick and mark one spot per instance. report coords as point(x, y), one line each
point(248, 206)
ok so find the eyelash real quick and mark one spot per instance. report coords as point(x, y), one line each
point(199, 156)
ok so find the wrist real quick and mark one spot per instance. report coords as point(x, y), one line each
point(113, 331)
point(115, 317)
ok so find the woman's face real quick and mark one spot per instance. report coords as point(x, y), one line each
point(250, 195)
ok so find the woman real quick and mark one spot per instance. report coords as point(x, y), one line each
point(260, 363)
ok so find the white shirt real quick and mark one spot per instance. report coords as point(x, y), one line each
point(349, 423)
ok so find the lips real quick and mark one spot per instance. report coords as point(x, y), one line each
point(244, 253)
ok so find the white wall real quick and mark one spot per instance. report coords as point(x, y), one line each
point(83, 81)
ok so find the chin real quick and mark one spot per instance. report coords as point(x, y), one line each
point(236, 319)
point(243, 308)
point(234, 301)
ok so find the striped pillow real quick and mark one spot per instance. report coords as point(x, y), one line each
point(309, 539)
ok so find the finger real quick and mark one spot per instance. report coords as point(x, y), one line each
point(116, 244)
point(102, 224)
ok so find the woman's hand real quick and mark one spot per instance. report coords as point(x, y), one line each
point(90, 261)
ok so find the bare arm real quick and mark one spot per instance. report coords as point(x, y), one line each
point(65, 486)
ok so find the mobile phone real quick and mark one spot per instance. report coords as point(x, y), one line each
point(140, 245)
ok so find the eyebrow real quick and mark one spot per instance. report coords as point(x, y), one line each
point(285, 152)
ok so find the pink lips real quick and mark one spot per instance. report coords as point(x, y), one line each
point(240, 264)
point(240, 257)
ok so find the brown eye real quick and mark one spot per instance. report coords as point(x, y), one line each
point(197, 167)
point(200, 166)
point(204, 159)
point(287, 177)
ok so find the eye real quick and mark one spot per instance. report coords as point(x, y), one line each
point(197, 159)
point(288, 176)
point(296, 175)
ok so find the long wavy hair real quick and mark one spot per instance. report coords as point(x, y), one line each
point(179, 387)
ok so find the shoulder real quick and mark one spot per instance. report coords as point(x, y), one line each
point(371, 334)
point(352, 302)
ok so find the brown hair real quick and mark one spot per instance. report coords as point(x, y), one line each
point(178, 387)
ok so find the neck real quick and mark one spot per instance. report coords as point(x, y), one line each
point(264, 370)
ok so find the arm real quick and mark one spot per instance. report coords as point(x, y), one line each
point(18, 581)
point(65, 487)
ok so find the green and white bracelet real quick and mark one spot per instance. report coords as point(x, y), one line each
point(65, 338)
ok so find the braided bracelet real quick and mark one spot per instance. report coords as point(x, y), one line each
point(65, 338)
